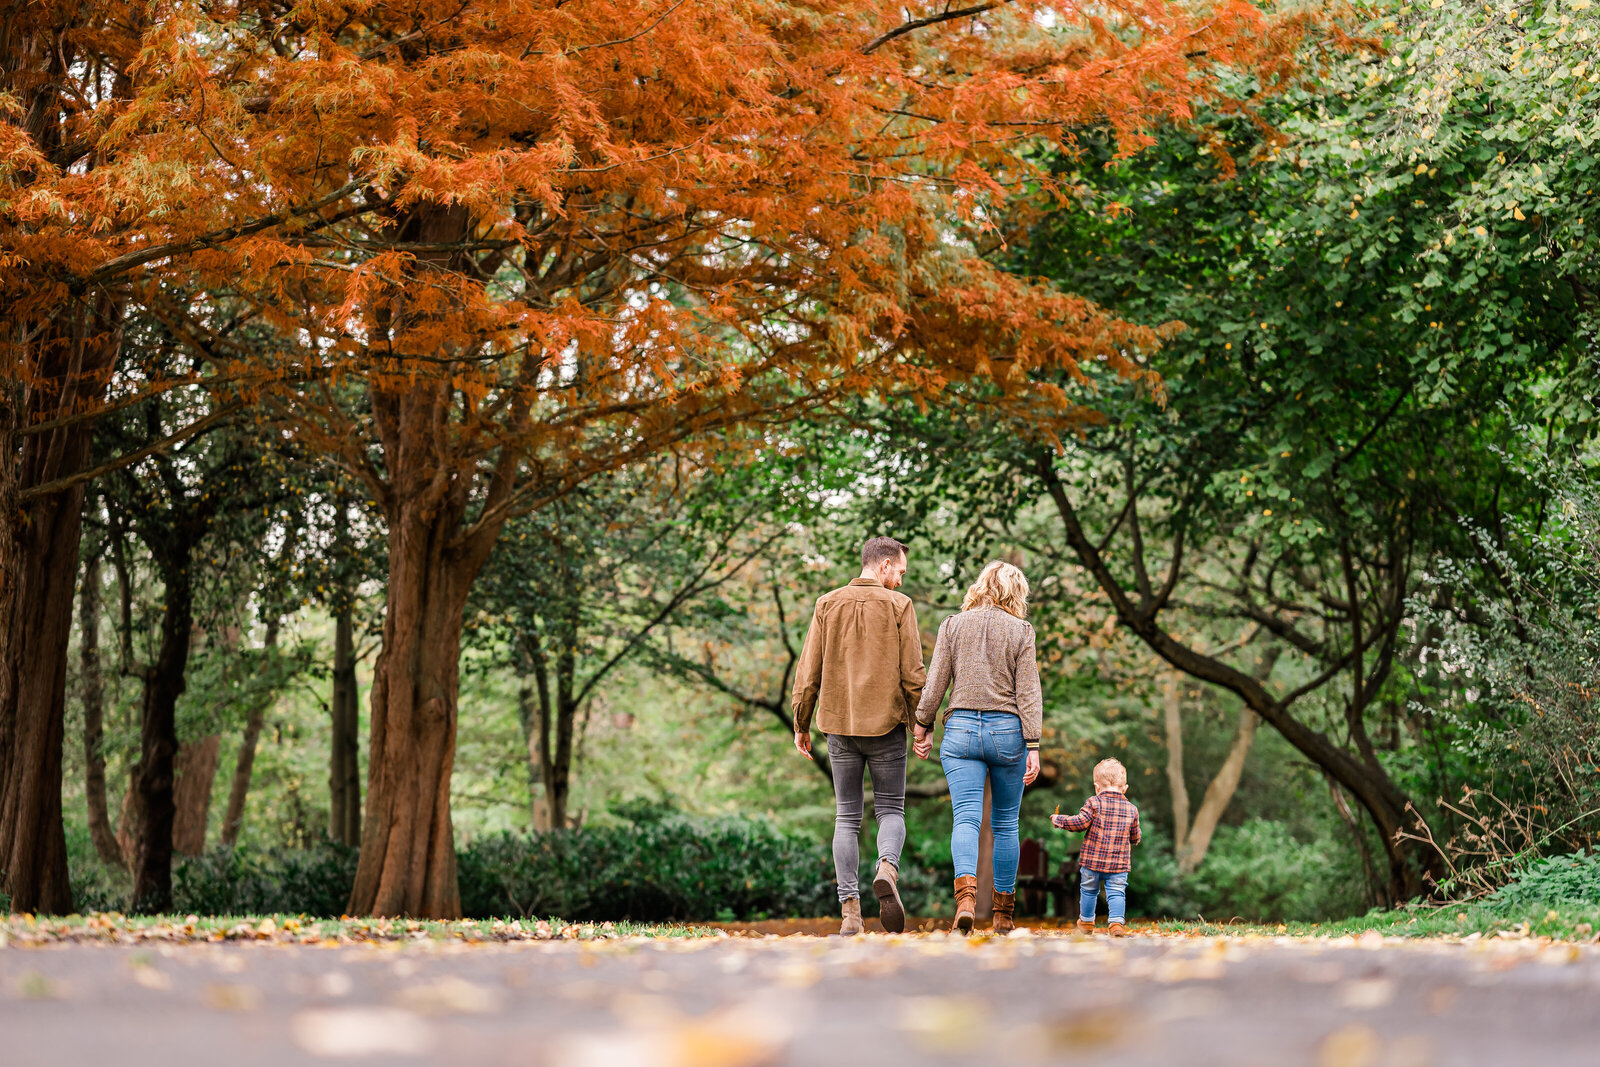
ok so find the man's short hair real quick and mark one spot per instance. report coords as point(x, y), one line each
point(878, 549)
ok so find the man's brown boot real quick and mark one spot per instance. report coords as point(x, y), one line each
point(966, 903)
point(1005, 911)
point(852, 917)
point(1086, 927)
point(1117, 930)
point(886, 886)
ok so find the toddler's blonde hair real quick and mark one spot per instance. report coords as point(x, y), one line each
point(999, 585)
point(1110, 772)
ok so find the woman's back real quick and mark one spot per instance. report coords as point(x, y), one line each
point(986, 658)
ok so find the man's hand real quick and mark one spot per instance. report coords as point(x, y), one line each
point(922, 744)
point(802, 741)
point(1033, 767)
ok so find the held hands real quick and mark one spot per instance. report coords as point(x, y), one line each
point(922, 741)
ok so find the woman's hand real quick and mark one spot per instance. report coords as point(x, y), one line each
point(922, 744)
point(1033, 767)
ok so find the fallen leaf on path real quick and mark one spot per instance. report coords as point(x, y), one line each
point(151, 978)
point(1366, 994)
point(749, 1034)
point(35, 986)
point(349, 1032)
point(943, 1024)
point(1561, 954)
point(233, 997)
point(1091, 1029)
point(451, 994)
point(1349, 1046)
point(335, 984)
point(1189, 970)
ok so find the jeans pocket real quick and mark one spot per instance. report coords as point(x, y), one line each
point(1009, 747)
point(956, 744)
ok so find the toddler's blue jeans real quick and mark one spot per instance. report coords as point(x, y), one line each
point(1089, 883)
point(979, 745)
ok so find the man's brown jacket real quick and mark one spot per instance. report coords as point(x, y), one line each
point(861, 668)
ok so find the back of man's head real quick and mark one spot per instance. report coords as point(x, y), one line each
point(879, 549)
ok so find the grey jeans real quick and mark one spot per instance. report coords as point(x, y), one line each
point(885, 756)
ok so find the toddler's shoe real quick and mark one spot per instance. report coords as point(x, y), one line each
point(1118, 931)
point(1086, 927)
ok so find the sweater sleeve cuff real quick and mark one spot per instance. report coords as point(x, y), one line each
point(1034, 745)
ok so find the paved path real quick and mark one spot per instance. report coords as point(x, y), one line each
point(743, 1002)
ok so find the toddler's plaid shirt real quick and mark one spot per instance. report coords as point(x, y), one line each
point(1112, 823)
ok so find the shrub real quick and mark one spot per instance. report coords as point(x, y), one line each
point(1551, 882)
point(1260, 871)
point(312, 881)
point(672, 868)
point(1155, 888)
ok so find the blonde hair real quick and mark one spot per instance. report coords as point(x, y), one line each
point(1110, 772)
point(999, 585)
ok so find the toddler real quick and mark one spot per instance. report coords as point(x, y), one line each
point(1112, 825)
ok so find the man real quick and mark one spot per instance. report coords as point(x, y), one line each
point(861, 672)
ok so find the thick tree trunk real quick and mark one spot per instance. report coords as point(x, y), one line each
point(194, 773)
point(344, 774)
point(164, 683)
point(244, 765)
point(408, 859)
point(94, 760)
point(39, 536)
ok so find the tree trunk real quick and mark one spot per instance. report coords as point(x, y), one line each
point(39, 536)
point(94, 760)
point(530, 717)
point(1218, 794)
point(1172, 712)
point(244, 766)
point(344, 774)
point(408, 859)
point(194, 773)
point(164, 683)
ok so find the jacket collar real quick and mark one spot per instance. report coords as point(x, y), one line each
point(866, 581)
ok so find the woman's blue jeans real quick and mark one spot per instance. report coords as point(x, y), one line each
point(979, 745)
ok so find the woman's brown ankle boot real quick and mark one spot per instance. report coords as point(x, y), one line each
point(966, 903)
point(1005, 911)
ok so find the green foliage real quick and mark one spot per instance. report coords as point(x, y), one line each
point(312, 881)
point(1516, 624)
point(1259, 871)
point(1155, 887)
point(1549, 883)
point(674, 867)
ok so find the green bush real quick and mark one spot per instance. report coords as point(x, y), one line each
point(672, 868)
point(1155, 888)
point(1558, 880)
point(1260, 871)
point(242, 881)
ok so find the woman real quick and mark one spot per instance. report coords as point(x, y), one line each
point(985, 657)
